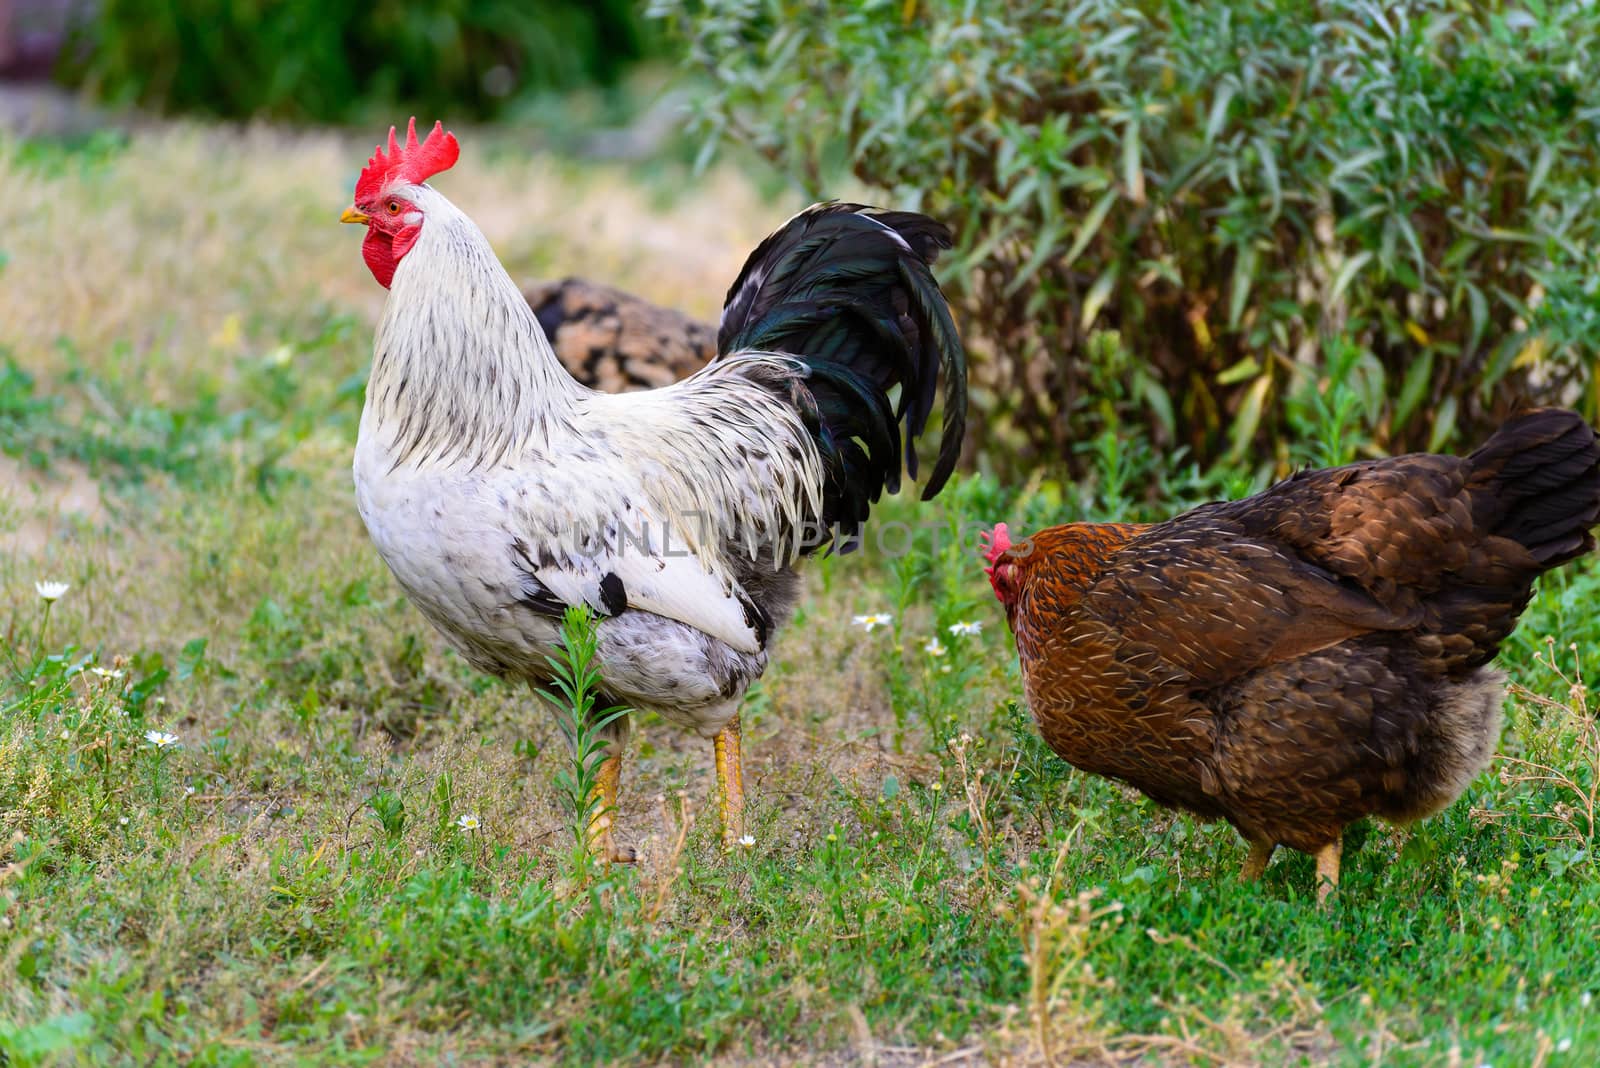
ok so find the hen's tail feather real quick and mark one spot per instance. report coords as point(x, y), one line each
point(1537, 482)
point(847, 291)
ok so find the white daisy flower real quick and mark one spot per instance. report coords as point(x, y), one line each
point(748, 840)
point(161, 739)
point(107, 673)
point(51, 591)
point(123, 821)
point(966, 630)
point(872, 621)
point(66, 736)
point(468, 823)
point(934, 648)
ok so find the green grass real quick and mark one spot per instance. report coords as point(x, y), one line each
point(290, 882)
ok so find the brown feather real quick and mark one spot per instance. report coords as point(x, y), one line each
point(1310, 655)
point(615, 342)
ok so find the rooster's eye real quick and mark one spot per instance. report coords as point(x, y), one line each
point(394, 207)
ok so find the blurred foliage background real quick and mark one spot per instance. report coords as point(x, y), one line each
point(333, 60)
point(1225, 225)
point(1218, 231)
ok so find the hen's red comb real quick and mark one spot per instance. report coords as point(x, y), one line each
point(412, 162)
point(996, 543)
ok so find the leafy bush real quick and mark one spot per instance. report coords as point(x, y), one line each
point(326, 61)
point(1266, 200)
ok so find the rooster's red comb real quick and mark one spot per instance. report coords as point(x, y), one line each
point(412, 162)
point(996, 542)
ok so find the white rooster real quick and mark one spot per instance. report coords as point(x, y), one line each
point(500, 491)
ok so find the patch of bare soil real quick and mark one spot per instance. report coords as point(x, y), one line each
point(35, 504)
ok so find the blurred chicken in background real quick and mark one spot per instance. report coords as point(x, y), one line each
point(613, 341)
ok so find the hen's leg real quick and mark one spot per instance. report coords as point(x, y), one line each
point(730, 781)
point(1256, 862)
point(607, 785)
point(1328, 869)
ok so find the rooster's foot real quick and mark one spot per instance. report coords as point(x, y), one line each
point(601, 845)
point(620, 855)
point(730, 782)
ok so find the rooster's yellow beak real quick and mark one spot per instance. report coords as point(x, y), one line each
point(351, 215)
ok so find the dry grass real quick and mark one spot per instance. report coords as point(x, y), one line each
point(192, 226)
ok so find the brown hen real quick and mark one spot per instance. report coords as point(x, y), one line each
point(1320, 652)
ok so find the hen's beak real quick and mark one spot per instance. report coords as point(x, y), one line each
point(351, 215)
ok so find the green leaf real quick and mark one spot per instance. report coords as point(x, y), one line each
point(1089, 227)
point(1541, 169)
point(1248, 419)
point(1358, 162)
point(1244, 271)
point(1269, 173)
point(37, 1042)
point(1415, 386)
point(1095, 299)
point(1239, 372)
point(1444, 425)
point(1346, 274)
point(1219, 110)
point(1479, 306)
point(1148, 390)
point(1044, 247)
point(191, 657)
point(1132, 168)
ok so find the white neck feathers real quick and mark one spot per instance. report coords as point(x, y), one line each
point(461, 371)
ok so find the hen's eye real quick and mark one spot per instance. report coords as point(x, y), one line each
point(394, 207)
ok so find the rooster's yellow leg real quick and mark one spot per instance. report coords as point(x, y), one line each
point(1328, 869)
point(730, 782)
point(1256, 862)
point(605, 807)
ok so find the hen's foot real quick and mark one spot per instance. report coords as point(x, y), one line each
point(730, 782)
point(601, 844)
point(1256, 863)
point(1328, 869)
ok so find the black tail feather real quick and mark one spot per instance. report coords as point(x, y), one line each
point(1537, 482)
point(847, 290)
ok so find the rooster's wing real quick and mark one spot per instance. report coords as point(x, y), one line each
point(643, 565)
